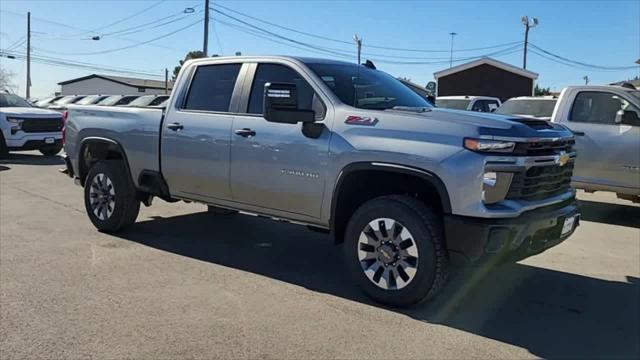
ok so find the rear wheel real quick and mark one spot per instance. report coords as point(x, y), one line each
point(394, 250)
point(50, 150)
point(110, 196)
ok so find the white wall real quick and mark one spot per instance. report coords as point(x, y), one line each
point(105, 87)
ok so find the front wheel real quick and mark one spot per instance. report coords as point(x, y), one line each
point(110, 197)
point(50, 150)
point(4, 151)
point(395, 250)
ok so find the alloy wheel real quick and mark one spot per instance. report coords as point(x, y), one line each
point(388, 254)
point(102, 196)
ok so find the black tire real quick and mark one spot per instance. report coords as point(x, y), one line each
point(425, 228)
point(126, 206)
point(4, 151)
point(50, 150)
point(214, 210)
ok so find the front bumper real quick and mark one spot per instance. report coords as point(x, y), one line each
point(31, 141)
point(478, 240)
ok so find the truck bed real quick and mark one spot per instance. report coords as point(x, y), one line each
point(137, 130)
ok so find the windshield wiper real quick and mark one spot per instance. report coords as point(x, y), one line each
point(418, 109)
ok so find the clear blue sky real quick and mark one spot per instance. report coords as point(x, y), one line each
point(596, 32)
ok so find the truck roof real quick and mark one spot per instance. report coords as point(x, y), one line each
point(546, 97)
point(300, 59)
point(600, 87)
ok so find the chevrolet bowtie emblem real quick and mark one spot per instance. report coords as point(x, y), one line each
point(563, 158)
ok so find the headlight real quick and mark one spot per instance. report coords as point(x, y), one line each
point(495, 186)
point(493, 146)
point(15, 120)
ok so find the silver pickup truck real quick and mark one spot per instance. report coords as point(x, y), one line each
point(342, 148)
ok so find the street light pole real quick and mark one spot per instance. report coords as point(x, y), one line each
point(451, 57)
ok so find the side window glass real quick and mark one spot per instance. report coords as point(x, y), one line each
point(478, 105)
point(275, 73)
point(596, 107)
point(212, 87)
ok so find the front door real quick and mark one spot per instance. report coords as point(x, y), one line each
point(608, 151)
point(195, 137)
point(275, 166)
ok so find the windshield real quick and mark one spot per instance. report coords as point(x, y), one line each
point(366, 88)
point(537, 108)
point(90, 100)
point(459, 104)
point(11, 100)
point(142, 100)
point(110, 100)
point(68, 100)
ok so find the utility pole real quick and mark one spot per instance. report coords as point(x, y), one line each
point(451, 57)
point(358, 45)
point(205, 45)
point(166, 81)
point(28, 92)
point(528, 23)
point(586, 79)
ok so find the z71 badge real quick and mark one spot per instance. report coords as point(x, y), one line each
point(359, 120)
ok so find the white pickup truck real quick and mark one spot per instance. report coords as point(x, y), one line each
point(606, 123)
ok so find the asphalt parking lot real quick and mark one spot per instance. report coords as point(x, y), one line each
point(182, 283)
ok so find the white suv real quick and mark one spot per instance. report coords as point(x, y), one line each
point(24, 127)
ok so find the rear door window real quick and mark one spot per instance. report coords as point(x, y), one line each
point(212, 87)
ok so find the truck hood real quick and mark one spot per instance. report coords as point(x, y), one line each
point(468, 123)
point(26, 111)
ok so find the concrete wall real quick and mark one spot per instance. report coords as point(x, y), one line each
point(101, 86)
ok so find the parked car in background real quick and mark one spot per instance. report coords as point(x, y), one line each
point(91, 99)
point(62, 103)
point(471, 103)
point(606, 123)
point(161, 105)
point(343, 148)
point(539, 107)
point(115, 100)
point(25, 127)
point(48, 101)
point(148, 100)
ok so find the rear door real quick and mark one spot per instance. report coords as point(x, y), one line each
point(608, 153)
point(196, 134)
point(278, 168)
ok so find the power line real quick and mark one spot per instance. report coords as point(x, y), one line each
point(80, 65)
point(128, 17)
point(129, 46)
point(598, 67)
point(350, 43)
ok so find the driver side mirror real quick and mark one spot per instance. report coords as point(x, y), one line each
point(628, 117)
point(281, 105)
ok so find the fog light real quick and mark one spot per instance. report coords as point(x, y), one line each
point(495, 186)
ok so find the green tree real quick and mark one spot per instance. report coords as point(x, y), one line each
point(190, 55)
point(540, 91)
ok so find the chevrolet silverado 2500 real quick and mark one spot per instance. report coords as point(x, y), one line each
point(342, 148)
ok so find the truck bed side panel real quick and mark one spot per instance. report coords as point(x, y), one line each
point(135, 129)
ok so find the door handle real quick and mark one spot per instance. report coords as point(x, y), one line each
point(577, 133)
point(175, 126)
point(245, 132)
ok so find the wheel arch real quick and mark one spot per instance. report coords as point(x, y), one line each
point(94, 148)
point(404, 178)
